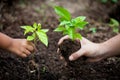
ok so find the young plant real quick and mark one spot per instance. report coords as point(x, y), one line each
point(115, 25)
point(68, 25)
point(36, 33)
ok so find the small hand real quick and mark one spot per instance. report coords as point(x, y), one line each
point(21, 47)
point(89, 49)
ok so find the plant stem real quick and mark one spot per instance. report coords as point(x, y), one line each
point(35, 43)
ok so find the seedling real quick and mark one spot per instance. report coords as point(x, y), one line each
point(68, 25)
point(115, 25)
point(36, 33)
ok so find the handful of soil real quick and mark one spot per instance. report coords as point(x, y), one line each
point(67, 48)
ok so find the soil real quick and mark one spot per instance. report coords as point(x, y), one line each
point(16, 13)
point(115, 11)
point(67, 47)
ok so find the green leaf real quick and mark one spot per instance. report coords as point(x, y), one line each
point(81, 25)
point(27, 29)
point(77, 36)
point(79, 22)
point(65, 32)
point(114, 22)
point(30, 38)
point(67, 27)
point(45, 30)
point(116, 30)
point(115, 25)
point(62, 19)
point(62, 12)
point(80, 18)
point(59, 29)
point(42, 37)
point(35, 25)
point(94, 30)
point(39, 26)
point(64, 23)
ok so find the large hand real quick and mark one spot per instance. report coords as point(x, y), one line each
point(21, 47)
point(89, 49)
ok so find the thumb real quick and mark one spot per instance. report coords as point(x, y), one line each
point(76, 55)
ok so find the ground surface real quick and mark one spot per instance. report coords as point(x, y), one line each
point(50, 67)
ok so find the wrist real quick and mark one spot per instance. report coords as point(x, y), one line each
point(10, 46)
point(106, 50)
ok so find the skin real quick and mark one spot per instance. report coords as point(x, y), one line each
point(96, 51)
point(20, 47)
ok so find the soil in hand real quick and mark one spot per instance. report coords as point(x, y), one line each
point(67, 48)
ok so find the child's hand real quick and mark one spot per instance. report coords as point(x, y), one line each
point(21, 47)
point(93, 51)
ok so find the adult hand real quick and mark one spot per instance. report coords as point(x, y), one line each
point(93, 51)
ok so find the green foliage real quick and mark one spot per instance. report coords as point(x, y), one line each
point(105, 1)
point(115, 25)
point(94, 30)
point(63, 13)
point(36, 33)
point(69, 26)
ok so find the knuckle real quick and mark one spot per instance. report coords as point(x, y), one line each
point(24, 44)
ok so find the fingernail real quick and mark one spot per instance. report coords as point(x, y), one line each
point(71, 58)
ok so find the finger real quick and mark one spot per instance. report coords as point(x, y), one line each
point(62, 39)
point(76, 55)
point(27, 52)
point(30, 43)
point(31, 46)
point(21, 54)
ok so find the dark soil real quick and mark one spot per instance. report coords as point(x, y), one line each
point(115, 12)
point(67, 47)
point(49, 65)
